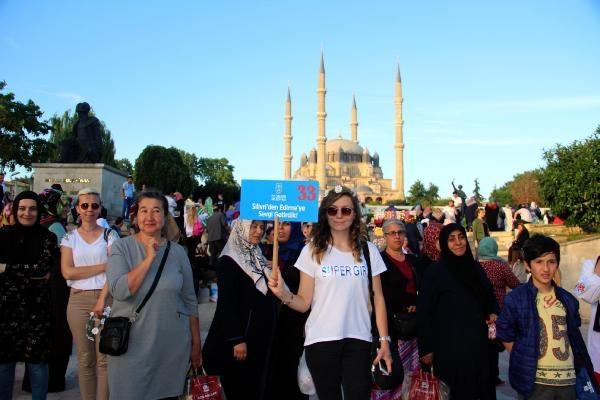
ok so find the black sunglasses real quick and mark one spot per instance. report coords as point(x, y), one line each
point(84, 206)
point(333, 211)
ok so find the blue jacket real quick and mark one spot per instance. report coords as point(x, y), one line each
point(519, 323)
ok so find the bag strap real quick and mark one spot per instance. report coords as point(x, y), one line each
point(155, 282)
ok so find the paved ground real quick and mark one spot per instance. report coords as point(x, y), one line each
point(206, 313)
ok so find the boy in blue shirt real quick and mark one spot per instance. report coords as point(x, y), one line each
point(539, 325)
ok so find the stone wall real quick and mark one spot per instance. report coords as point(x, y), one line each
point(74, 177)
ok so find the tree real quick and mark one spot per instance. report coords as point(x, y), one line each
point(124, 165)
point(525, 188)
point(502, 195)
point(425, 196)
point(570, 183)
point(215, 170)
point(192, 163)
point(216, 175)
point(522, 188)
point(21, 133)
point(416, 192)
point(62, 128)
point(476, 192)
point(161, 168)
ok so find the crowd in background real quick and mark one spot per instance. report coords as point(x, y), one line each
point(422, 295)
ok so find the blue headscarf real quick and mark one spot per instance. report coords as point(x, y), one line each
point(293, 246)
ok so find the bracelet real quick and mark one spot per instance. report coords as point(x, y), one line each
point(385, 338)
point(285, 303)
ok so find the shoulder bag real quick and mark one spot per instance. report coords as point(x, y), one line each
point(114, 336)
point(381, 379)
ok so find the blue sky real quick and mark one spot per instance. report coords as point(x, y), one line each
point(487, 85)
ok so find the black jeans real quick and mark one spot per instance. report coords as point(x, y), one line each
point(342, 363)
point(215, 247)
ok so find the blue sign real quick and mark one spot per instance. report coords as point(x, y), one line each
point(294, 201)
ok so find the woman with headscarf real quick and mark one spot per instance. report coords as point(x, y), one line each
point(455, 305)
point(55, 209)
point(27, 251)
point(431, 236)
point(241, 334)
point(501, 277)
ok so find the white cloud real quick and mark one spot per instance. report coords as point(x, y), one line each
point(73, 97)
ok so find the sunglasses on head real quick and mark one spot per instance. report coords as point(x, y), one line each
point(333, 211)
point(85, 206)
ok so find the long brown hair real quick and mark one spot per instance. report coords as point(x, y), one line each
point(321, 233)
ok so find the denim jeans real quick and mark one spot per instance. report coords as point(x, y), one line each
point(38, 375)
point(127, 203)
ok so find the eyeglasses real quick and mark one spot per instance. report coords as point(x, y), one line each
point(333, 211)
point(85, 206)
point(394, 233)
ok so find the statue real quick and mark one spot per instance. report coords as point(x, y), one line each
point(85, 144)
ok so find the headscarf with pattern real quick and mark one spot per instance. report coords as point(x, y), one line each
point(247, 255)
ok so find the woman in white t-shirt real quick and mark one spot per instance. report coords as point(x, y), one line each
point(84, 256)
point(334, 285)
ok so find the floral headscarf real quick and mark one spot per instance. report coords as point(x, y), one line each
point(247, 255)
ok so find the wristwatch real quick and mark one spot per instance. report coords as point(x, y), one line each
point(387, 338)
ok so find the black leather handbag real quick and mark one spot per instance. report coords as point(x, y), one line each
point(114, 336)
point(381, 379)
point(404, 325)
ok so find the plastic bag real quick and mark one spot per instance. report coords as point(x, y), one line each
point(421, 385)
point(305, 381)
point(395, 394)
point(200, 386)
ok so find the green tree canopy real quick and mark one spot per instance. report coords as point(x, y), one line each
point(161, 168)
point(62, 128)
point(215, 170)
point(425, 196)
point(124, 165)
point(570, 183)
point(522, 188)
point(21, 133)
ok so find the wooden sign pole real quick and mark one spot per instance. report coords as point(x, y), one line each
point(275, 260)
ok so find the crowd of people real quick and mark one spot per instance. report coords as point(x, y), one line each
point(423, 299)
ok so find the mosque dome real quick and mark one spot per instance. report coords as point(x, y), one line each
point(347, 146)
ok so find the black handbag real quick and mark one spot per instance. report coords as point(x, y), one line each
point(381, 380)
point(404, 325)
point(114, 336)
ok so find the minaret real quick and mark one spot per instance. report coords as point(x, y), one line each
point(399, 146)
point(321, 138)
point(354, 121)
point(287, 138)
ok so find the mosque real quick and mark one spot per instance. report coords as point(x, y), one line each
point(344, 162)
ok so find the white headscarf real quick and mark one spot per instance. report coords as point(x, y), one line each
point(247, 255)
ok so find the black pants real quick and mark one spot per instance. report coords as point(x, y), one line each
point(342, 363)
point(215, 247)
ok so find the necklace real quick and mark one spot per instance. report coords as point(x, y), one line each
point(86, 230)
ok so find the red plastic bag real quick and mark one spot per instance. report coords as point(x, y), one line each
point(202, 387)
point(424, 386)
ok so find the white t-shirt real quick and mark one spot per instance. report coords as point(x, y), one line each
point(85, 254)
point(340, 303)
point(449, 214)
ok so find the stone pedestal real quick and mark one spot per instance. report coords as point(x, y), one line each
point(74, 177)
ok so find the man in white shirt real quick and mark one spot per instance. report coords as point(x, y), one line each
point(127, 194)
point(449, 213)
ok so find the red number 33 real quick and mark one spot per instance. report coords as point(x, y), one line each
point(306, 192)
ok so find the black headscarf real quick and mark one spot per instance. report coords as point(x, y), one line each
point(22, 244)
point(464, 268)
